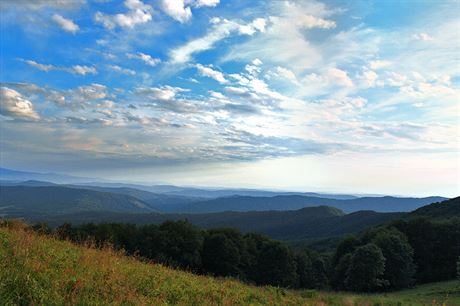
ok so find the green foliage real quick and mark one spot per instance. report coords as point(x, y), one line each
point(367, 266)
point(39, 270)
point(276, 265)
point(458, 268)
point(221, 255)
point(436, 245)
point(444, 209)
point(399, 264)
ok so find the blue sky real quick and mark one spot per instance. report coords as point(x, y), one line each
point(346, 96)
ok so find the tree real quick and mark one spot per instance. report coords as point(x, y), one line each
point(220, 255)
point(366, 269)
point(340, 266)
point(458, 268)
point(341, 272)
point(180, 244)
point(276, 265)
point(399, 264)
point(305, 273)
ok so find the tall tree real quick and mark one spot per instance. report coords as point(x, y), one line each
point(366, 269)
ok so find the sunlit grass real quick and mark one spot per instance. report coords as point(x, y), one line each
point(39, 270)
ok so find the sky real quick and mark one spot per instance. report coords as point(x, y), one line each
point(353, 96)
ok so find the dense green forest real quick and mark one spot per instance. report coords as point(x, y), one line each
point(389, 257)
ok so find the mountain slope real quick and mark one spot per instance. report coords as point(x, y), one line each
point(290, 202)
point(212, 193)
point(310, 222)
point(75, 275)
point(26, 201)
point(15, 175)
point(444, 209)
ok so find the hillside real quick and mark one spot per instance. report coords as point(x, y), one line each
point(292, 202)
point(444, 209)
point(26, 201)
point(162, 202)
point(212, 193)
point(310, 222)
point(73, 274)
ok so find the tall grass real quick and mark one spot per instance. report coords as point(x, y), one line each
point(40, 270)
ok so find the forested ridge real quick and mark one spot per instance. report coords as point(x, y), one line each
point(396, 255)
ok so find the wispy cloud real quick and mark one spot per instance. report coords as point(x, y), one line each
point(75, 69)
point(66, 24)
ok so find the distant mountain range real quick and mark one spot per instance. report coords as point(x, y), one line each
point(171, 203)
point(446, 209)
point(26, 201)
point(9, 176)
point(19, 176)
point(306, 223)
point(293, 202)
point(291, 217)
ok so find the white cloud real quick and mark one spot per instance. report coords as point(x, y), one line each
point(181, 11)
point(338, 76)
point(310, 22)
point(201, 3)
point(66, 24)
point(286, 73)
point(177, 10)
point(378, 64)
point(371, 79)
point(148, 59)
point(209, 72)
point(422, 37)
point(283, 38)
point(121, 70)
point(221, 29)
point(164, 93)
point(138, 13)
point(13, 104)
point(257, 25)
point(92, 92)
point(257, 62)
point(76, 69)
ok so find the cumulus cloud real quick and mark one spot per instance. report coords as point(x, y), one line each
point(163, 93)
point(257, 25)
point(181, 11)
point(257, 62)
point(422, 37)
point(138, 13)
point(121, 70)
point(379, 64)
point(221, 28)
point(339, 77)
point(76, 69)
point(148, 59)
point(286, 74)
point(176, 9)
point(207, 71)
point(92, 92)
point(66, 24)
point(13, 104)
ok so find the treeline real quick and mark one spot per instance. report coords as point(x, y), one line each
point(390, 257)
point(252, 258)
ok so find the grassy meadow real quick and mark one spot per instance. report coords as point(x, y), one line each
point(39, 270)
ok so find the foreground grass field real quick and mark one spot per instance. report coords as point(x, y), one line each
point(38, 270)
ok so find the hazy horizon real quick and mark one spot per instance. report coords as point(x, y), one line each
point(357, 97)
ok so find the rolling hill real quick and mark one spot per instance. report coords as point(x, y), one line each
point(292, 202)
point(445, 209)
point(72, 274)
point(306, 223)
point(26, 201)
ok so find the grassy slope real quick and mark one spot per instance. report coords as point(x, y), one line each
point(40, 270)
